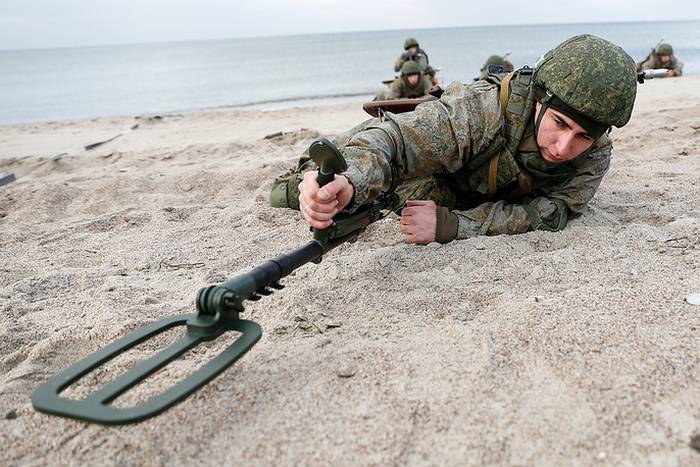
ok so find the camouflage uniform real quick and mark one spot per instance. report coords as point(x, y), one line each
point(401, 88)
point(652, 61)
point(442, 143)
point(443, 149)
point(419, 57)
point(442, 146)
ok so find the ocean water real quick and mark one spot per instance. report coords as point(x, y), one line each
point(70, 83)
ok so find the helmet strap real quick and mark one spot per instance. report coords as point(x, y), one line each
point(545, 105)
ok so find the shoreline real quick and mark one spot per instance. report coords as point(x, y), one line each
point(281, 104)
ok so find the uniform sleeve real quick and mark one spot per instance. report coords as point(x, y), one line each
point(437, 137)
point(399, 63)
point(394, 92)
point(647, 64)
point(678, 69)
point(423, 61)
point(548, 208)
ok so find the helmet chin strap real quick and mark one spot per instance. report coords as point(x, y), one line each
point(543, 108)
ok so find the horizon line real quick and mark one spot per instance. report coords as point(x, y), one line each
point(214, 39)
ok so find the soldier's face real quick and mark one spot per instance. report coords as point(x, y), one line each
point(560, 138)
point(412, 50)
point(664, 59)
point(413, 79)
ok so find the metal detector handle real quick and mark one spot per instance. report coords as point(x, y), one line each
point(330, 162)
point(328, 159)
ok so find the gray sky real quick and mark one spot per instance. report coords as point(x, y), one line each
point(60, 23)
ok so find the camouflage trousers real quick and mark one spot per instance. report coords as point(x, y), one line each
point(285, 188)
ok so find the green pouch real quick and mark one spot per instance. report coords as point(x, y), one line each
point(285, 191)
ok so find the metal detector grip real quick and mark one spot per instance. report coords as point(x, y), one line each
point(328, 159)
point(330, 162)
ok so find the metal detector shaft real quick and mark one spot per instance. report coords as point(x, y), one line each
point(218, 309)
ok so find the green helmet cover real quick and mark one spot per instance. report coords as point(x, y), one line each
point(664, 49)
point(494, 60)
point(411, 67)
point(410, 42)
point(591, 76)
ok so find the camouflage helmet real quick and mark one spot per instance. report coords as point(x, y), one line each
point(664, 49)
point(410, 42)
point(494, 60)
point(411, 67)
point(590, 79)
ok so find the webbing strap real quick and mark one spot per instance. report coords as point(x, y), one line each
point(526, 184)
point(493, 165)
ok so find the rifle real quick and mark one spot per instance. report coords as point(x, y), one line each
point(218, 311)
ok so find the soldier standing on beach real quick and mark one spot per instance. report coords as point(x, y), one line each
point(662, 57)
point(504, 155)
point(412, 83)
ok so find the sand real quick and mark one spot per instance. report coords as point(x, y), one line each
point(576, 347)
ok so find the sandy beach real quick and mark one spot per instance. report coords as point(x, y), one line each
point(568, 348)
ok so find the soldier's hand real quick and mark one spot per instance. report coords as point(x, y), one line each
point(670, 73)
point(319, 205)
point(419, 222)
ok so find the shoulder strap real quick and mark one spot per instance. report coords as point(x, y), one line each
point(493, 165)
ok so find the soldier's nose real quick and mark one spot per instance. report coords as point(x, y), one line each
point(565, 144)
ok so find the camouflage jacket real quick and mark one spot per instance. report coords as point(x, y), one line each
point(421, 57)
point(400, 88)
point(652, 63)
point(442, 137)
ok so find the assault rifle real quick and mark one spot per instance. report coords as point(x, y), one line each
point(218, 311)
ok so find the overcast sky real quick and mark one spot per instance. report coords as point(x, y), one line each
point(61, 23)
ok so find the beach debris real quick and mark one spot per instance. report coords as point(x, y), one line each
point(682, 245)
point(58, 156)
point(332, 324)
point(292, 137)
point(166, 265)
point(11, 415)
point(306, 325)
point(92, 146)
point(149, 118)
point(346, 370)
point(693, 299)
point(695, 442)
point(274, 135)
point(7, 179)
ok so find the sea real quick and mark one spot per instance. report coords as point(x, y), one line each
point(38, 85)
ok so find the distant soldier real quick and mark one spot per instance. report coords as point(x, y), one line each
point(496, 60)
point(412, 83)
point(662, 57)
point(413, 52)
